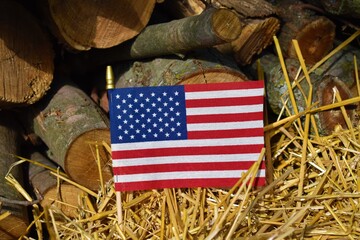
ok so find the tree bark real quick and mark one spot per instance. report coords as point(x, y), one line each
point(248, 8)
point(83, 25)
point(14, 225)
point(26, 57)
point(46, 184)
point(323, 81)
point(345, 8)
point(203, 66)
point(212, 27)
point(69, 123)
point(315, 34)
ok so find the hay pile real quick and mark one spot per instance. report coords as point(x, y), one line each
point(314, 195)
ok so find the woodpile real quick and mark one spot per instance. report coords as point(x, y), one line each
point(55, 158)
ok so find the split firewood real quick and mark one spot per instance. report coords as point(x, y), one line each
point(257, 34)
point(74, 127)
point(63, 195)
point(314, 33)
point(324, 84)
point(257, 20)
point(14, 225)
point(82, 25)
point(26, 57)
point(212, 27)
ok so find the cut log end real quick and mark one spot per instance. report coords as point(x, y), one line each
point(226, 24)
point(315, 40)
point(68, 197)
point(81, 160)
point(84, 25)
point(325, 94)
point(12, 227)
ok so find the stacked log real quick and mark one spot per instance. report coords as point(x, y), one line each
point(82, 25)
point(72, 125)
point(54, 192)
point(10, 144)
point(26, 57)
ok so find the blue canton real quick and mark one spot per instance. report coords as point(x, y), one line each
point(147, 114)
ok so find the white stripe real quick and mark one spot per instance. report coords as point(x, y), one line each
point(224, 110)
point(187, 143)
point(224, 93)
point(185, 159)
point(182, 175)
point(224, 125)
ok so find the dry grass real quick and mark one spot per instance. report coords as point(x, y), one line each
point(315, 193)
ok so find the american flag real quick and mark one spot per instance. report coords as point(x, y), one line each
point(198, 135)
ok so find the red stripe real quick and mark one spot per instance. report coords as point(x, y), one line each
point(236, 117)
point(184, 183)
point(223, 86)
point(176, 167)
point(186, 151)
point(251, 132)
point(216, 102)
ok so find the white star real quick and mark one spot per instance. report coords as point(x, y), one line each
point(143, 125)
point(132, 136)
point(124, 101)
point(177, 103)
point(177, 113)
point(148, 110)
point(136, 100)
point(147, 99)
point(154, 125)
point(172, 119)
point(161, 130)
point(171, 109)
point(149, 130)
point(167, 134)
point(117, 96)
point(166, 124)
point(126, 131)
point(159, 99)
point(119, 127)
point(141, 105)
point(160, 119)
point(148, 120)
point(179, 134)
point(155, 135)
point(131, 126)
point(154, 114)
point(164, 94)
point(141, 94)
point(143, 136)
point(166, 114)
point(176, 93)
point(136, 110)
point(118, 117)
point(173, 129)
point(171, 99)
point(153, 104)
point(129, 95)
point(165, 104)
point(137, 131)
point(120, 137)
point(125, 121)
point(142, 115)
point(124, 111)
point(152, 94)
point(137, 120)
point(130, 105)
point(118, 106)
point(131, 116)
point(159, 109)
point(178, 124)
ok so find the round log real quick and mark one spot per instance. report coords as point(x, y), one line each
point(47, 185)
point(323, 84)
point(315, 34)
point(83, 24)
point(26, 57)
point(203, 66)
point(13, 226)
point(69, 123)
